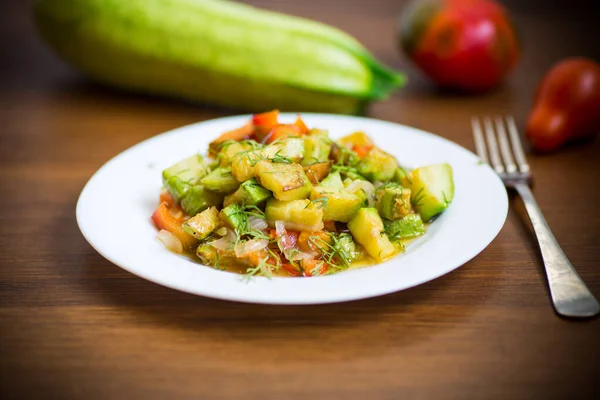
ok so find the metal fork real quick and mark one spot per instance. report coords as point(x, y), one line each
point(570, 296)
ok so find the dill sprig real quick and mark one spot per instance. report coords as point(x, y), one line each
point(346, 156)
point(264, 268)
point(417, 198)
point(348, 172)
point(334, 253)
point(321, 202)
point(278, 158)
point(243, 230)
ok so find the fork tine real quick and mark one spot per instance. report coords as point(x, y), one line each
point(478, 138)
point(492, 145)
point(516, 144)
point(504, 146)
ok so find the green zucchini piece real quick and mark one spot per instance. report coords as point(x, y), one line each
point(178, 178)
point(249, 193)
point(349, 172)
point(367, 229)
point(286, 181)
point(290, 148)
point(340, 205)
point(319, 133)
point(220, 180)
point(378, 165)
point(297, 215)
point(317, 172)
point(219, 259)
point(409, 227)
point(316, 149)
point(234, 217)
point(341, 155)
point(392, 201)
point(231, 149)
point(243, 165)
point(198, 199)
point(202, 224)
point(432, 189)
point(355, 139)
point(346, 244)
point(402, 177)
point(333, 180)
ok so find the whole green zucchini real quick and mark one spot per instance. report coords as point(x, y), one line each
point(217, 52)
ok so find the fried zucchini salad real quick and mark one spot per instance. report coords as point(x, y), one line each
point(276, 199)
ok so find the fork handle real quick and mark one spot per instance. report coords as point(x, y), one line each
point(570, 296)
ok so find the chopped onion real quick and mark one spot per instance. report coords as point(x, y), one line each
point(366, 186)
point(250, 246)
point(226, 242)
point(280, 228)
point(257, 223)
point(231, 235)
point(221, 244)
point(170, 241)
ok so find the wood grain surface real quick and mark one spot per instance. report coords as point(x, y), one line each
point(75, 326)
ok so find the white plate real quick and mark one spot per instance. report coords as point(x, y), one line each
point(113, 213)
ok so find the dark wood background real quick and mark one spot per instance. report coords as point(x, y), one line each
point(75, 326)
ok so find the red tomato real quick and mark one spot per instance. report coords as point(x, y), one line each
point(280, 132)
point(302, 128)
point(362, 151)
point(567, 105)
point(266, 119)
point(468, 45)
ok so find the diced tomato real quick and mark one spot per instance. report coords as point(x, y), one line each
point(164, 218)
point(280, 132)
point(239, 134)
point(302, 128)
point(329, 226)
point(305, 243)
point(255, 257)
point(266, 119)
point(165, 197)
point(290, 269)
point(362, 151)
point(264, 123)
point(314, 267)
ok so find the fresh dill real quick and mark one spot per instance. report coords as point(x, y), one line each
point(348, 172)
point(346, 156)
point(321, 202)
point(405, 174)
point(418, 198)
point(278, 158)
point(261, 269)
point(264, 268)
point(332, 253)
point(217, 265)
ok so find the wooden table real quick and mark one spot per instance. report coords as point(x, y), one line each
point(74, 326)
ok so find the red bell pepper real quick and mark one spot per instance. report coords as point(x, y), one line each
point(280, 132)
point(266, 120)
point(171, 219)
point(302, 128)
